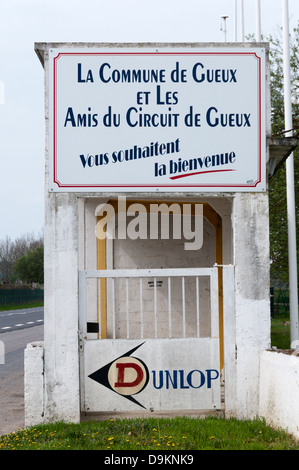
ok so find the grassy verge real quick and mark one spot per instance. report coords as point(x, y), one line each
point(152, 434)
point(280, 332)
point(7, 307)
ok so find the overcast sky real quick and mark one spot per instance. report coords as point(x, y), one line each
point(24, 22)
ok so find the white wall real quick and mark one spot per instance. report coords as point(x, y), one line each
point(279, 390)
point(34, 383)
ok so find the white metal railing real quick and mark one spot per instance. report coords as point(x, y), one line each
point(155, 275)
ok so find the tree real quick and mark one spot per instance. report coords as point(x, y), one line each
point(30, 267)
point(277, 187)
point(6, 258)
point(12, 250)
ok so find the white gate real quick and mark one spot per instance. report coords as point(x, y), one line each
point(155, 346)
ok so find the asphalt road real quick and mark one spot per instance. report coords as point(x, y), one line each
point(18, 319)
point(17, 328)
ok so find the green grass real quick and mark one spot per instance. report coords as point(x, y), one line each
point(280, 332)
point(7, 307)
point(152, 434)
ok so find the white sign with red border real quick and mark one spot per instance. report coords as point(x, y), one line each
point(134, 119)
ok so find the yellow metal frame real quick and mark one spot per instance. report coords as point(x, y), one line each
point(215, 220)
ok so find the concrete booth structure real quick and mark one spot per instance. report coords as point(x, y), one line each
point(158, 158)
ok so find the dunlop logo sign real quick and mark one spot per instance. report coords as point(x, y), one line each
point(128, 376)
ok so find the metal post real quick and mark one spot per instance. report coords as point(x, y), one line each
point(292, 250)
point(169, 309)
point(242, 20)
point(258, 21)
point(236, 22)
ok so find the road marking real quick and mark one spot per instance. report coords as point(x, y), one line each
point(21, 324)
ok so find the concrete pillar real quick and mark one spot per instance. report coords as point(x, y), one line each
point(251, 258)
point(61, 359)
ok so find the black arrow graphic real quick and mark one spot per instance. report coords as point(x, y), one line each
point(101, 375)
